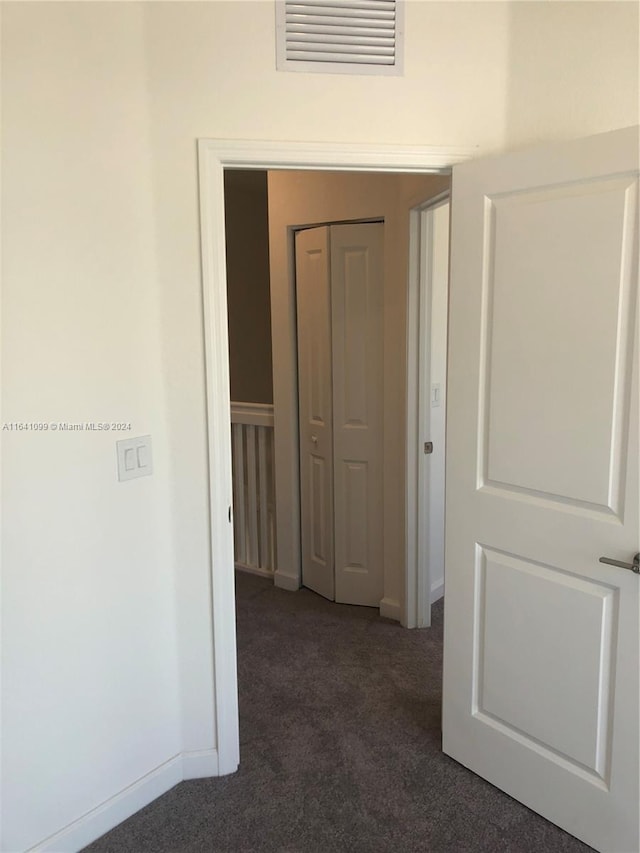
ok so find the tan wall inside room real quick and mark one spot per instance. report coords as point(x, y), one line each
point(306, 198)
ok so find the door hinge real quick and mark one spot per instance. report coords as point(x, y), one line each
point(428, 447)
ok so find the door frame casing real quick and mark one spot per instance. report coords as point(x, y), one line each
point(214, 155)
point(419, 594)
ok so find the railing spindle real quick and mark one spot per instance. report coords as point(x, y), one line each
point(263, 506)
point(253, 487)
point(252, 496)
point(239, 512)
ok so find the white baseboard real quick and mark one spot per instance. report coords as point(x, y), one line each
point(437, 591)
point(253, 570)
point(390, 608)
point(290, 582)
point(200, 764)
point(113, 811)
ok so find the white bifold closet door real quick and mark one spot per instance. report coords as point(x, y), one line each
point(339, 281)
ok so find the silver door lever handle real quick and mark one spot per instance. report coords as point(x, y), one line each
point(635, 566)
point(314, 439)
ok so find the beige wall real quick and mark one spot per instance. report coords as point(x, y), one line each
point(102, 316)
point(307, 198)
point(247, 236)
point(572, 69)
point(491, 74)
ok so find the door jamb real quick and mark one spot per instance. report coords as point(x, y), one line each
point(214, 156)
point(418, 592)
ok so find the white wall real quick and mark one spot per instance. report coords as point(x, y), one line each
point(90, 685)
point(493, 74)
point(572, 69)
point(102, 105)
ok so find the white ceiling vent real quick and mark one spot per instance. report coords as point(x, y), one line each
point(340, 36)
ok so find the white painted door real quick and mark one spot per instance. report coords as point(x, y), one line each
point(357, 315)
point(339, 284)
point(541, 639)
point(313, 299)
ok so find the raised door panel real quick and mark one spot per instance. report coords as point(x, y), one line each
point(568, 719)
point(556, 340)
point(357, 305)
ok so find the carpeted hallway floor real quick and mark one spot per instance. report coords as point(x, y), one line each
point(340, 749)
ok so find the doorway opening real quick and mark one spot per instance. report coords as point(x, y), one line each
point(299, 201)
point(214, 158)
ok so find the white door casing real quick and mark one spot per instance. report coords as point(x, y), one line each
point(434, 395)
point(427, 296)
point(315, 409)
point(541, 640)
point(357, 334)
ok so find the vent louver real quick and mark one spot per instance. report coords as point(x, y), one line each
point(339, 36)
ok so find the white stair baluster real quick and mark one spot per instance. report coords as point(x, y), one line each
point(239, 512)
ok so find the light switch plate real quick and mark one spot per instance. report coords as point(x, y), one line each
point(134, 457)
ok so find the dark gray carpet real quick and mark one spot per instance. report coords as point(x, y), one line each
point(340, 748)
